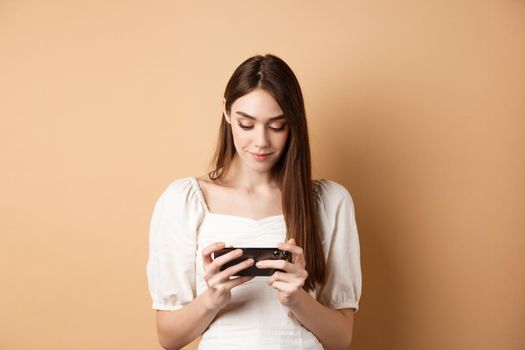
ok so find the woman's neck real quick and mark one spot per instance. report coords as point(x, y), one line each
point(249, 180)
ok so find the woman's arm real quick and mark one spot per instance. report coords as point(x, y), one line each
point(178, 328)
point(333, 328)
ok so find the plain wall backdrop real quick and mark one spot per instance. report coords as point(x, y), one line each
point(417, 107)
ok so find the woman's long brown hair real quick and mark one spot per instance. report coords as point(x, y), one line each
point(292, 171)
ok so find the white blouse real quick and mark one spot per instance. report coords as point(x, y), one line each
point(181, 226)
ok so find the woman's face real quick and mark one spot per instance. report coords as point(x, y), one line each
point(259, 129)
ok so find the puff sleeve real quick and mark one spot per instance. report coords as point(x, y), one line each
point(341, 248)
point(172, 246)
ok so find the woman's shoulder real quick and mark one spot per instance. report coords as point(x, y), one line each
point(181, 184)
point(330, 190)
point(180, 202)
point(181, 190)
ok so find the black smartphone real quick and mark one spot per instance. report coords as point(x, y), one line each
point(256, 254)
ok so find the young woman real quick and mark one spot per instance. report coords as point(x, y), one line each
point(260, 194)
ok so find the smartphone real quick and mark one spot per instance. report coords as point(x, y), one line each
point(256, 254)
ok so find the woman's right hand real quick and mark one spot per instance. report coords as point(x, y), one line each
point(220, 282)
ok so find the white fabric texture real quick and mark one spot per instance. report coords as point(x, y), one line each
point(181, 226)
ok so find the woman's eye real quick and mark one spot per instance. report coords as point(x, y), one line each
point(278, 129)
point(245, 127)
point(248, 127)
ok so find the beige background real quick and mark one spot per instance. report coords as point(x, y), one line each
point(417, 107)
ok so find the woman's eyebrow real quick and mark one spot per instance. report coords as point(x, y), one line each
point(249, 116)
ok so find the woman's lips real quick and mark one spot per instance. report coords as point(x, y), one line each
point(260, 156)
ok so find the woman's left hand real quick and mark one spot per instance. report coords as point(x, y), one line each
point(289, 283)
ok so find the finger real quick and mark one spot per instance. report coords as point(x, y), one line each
point(214, 267)
point(237, 281)
point(283, 286)
point(206, 252)
point(289, 280)
point(275, 264)
point(300, 276)
point(286, 278)
point(229, 272)
point(280, 276)
point(223, 259)
point(297, 252)
point(292, 248)
point(232, 270)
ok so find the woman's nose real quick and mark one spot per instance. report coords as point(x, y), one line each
point(262, 139)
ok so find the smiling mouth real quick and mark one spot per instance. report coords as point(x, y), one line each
point(261, 157)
